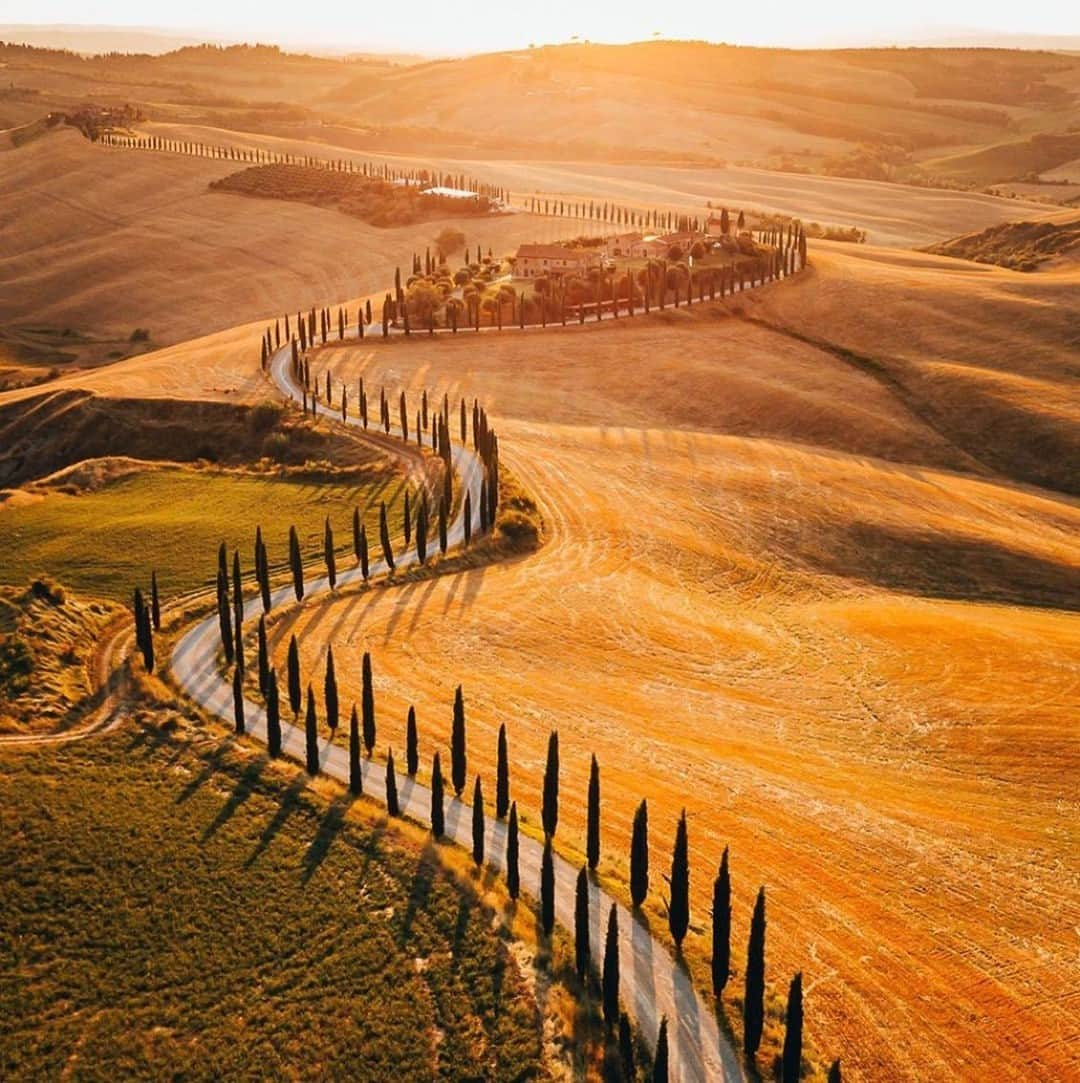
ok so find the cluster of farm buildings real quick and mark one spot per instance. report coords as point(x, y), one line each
point(536, 260)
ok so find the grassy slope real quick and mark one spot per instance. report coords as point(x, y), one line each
point(171, 899)
point(105, 542)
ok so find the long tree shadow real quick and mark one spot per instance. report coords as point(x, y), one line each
point(245, 786)
point(290, 802)
point(420, 890)
point(327, 831)
point(213, 764)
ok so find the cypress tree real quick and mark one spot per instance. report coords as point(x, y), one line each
point(225, 617)
point(392, 805)
point(293, 668)
point(835, 1075)
point(550, 811)
point(223, 562)
point(364, 567)
point(367, 703)
point(406, 520)
point(592, 833)
point(328, 553)
point(721, 927)
point(457, 744)
point(513, 877)
point(610, 977)
point(263, 573)
point(438, 818)
point(330, 691)
point(660, 1061)
point(404, 412)
point(754, 996)
point(478, 823)
point(155, 604)
point(412, 751)
point(639, 855)
point(238, 648)
point(384, 537)
point(264, 656)
point(581, 924)
point(238, 699)
point(356, 774)
point(679, 905)
point(296, 563)
point(442, 525)
point(626, 1049)
point(311, 734)
point(273, 716)
point(468, 517)
point(356, 532)
point(502, 776)
point(547, 889)
point(791, 1061)
point(238, 596)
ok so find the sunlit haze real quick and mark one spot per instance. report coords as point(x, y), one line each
point(471, 27)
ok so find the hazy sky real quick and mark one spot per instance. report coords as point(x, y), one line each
point(455, 26)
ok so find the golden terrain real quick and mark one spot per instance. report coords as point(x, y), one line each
point(810, 568)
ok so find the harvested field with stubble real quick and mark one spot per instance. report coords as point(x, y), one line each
point(779, 589)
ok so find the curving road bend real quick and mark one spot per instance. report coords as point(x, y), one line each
point(653, 984)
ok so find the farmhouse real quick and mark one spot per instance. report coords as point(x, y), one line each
point(534, 260)
point(634, 246)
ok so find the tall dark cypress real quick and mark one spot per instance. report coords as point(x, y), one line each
point(592, 831)
point(467, 517)
point(422, 531)
point(610, 975)
point(547, 889)
point(330, 691)
point(502, 776)
point(626, 1050)
point(835, 1074)
point(679, 904)
point(328, 553)
point(273, 716)
point(296, 563)
point(293, 668)
point(721, 927)
point(791, 1061)
point(367, 703)
point(412, 744)
point(581, 924)
point(392, 805)
point(238, 699)
point(513, 875)
point(639, 855)
point(754, 996)
point(478, 823)
point(155, 603)
point(660, 1061)
point(311, 734)
point(356, 773)
point(238, 593)
point(225, 617)
point(356, 533)
point(550, 811)
point(364, 566)
point(438, 817)
point(406, 520)
point(238, 643)
point(457, 744)
point(264, 655)
point(442, 526)
point(264, 577)
point(384, 537)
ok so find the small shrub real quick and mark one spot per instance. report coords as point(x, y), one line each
point(265, 416)
point(140, 334)
point(16, 665)
point(276, 447)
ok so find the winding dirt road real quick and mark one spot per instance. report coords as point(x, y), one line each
point(653, 984)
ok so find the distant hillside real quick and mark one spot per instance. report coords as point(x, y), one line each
point(1020, 246)
point(1014, 161)
point(889, 114)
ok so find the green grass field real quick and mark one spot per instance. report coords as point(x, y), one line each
point(105, 542)
point(172, 905)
